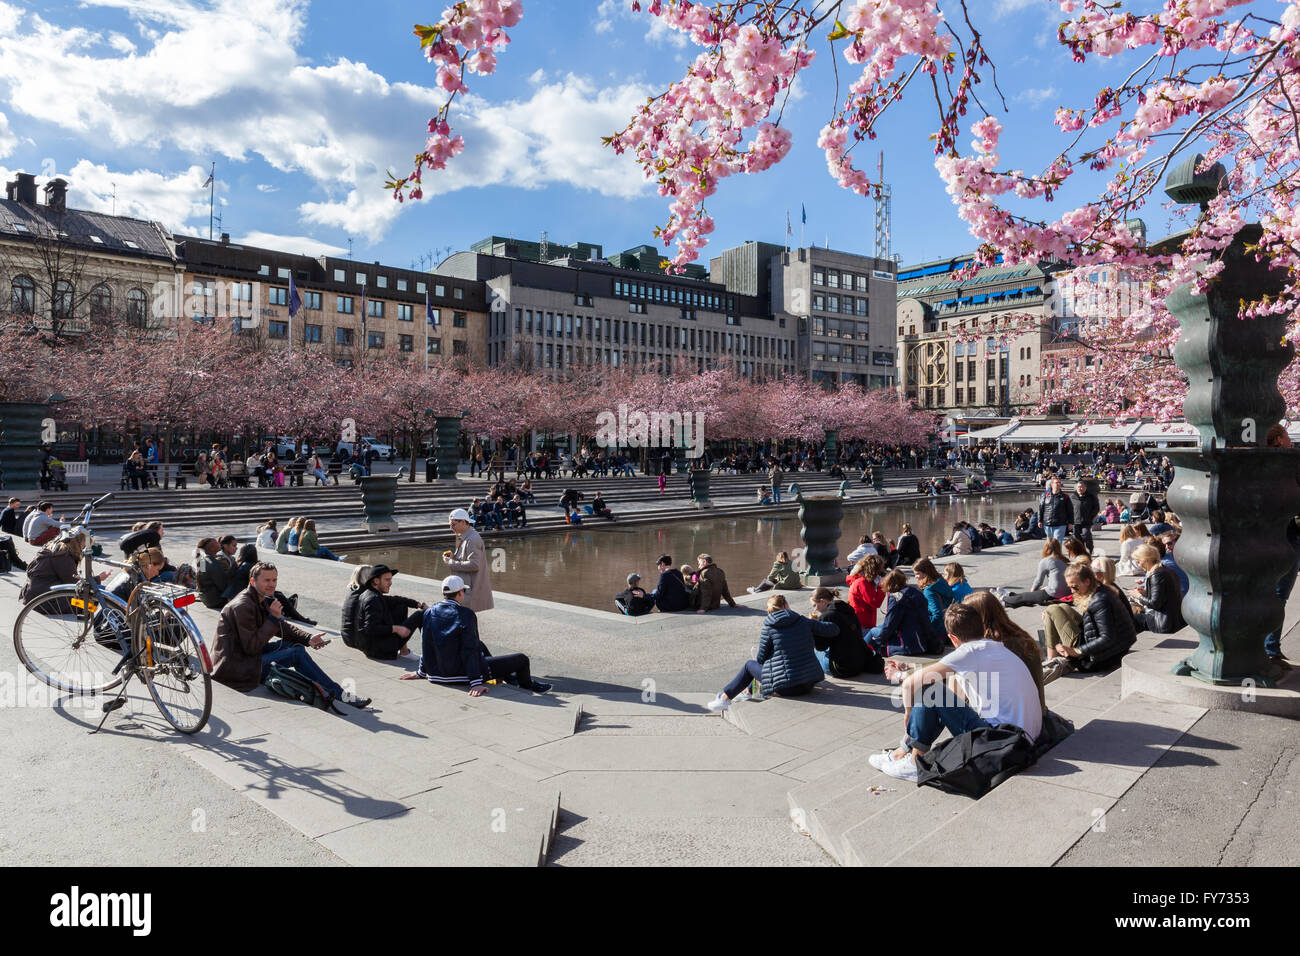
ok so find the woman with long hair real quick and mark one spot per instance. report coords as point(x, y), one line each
point(999, 627)
point(1049, 583)
point(1130, 537)
point(865, 593)
point(309, 547)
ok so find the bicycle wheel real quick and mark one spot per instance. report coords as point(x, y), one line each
point(172, 666)
point(72, 648)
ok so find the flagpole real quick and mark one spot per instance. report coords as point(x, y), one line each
point(212, 193)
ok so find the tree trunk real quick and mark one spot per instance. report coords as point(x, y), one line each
point(167, 456)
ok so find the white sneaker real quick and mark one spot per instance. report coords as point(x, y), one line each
point(879, 760)
point(718, 704)
point(904, 769)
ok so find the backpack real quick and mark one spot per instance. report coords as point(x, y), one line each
point(973, 763)
point(285, 682)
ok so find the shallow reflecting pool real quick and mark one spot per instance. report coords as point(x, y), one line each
point(588, 567)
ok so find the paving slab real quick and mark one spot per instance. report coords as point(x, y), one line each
point(676, 725)
point(632, 840)
point(676, 794)
point(665, 753)
point(303, 790)
point(915, 813)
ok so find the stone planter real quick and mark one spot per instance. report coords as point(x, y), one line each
point(378, 498)
point(699, 484)
point(448, 431)
point(20, 448)
point(820, 517)
point(1234, 494)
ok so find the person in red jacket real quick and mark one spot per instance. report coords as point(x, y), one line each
point(865, 594)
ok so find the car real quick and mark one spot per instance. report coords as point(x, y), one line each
point(386, 452)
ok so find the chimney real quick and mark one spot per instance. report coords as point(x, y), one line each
point(225, 238)
point(23, 189)
point(56, 195)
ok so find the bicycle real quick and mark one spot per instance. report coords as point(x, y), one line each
point(83, 639)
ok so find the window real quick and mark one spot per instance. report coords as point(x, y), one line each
point(401, 285)
point(406, 343)
point(832, 303)
point(862, 308)
point(375, 310)
point(340, 276)
point(437, 317)
point(24, 295)
point(311, 333)
point(264, 270)
point(461, 347)
point(137, 305)
point(382, 282)
point(374, 340)
point(458, 293)
point(440, 291)
point(311, 300)
point(278, 297)
point(637, 307)
point(833, 279)
point(960, 368)
point(582, 298)
point(459, 320)
point(345, 304)
point(435, 346)
point(405, 313)
point(101, 302)
point(361, 278)
point(282, 273)
point(277, 330)
point(819, 277)
point(62, 303)
point(862, 284)
point(819, 303)
point(343, 337)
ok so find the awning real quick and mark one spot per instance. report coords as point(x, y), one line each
point(1172, 431)
point(993, 433)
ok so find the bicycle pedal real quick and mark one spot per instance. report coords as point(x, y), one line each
point(115, 704)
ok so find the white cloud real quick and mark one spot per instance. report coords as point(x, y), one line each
point(300, 245)
point(267, 188)
point(1037, 96)
point(144, 194)
point(655, 29)
point(225, 78)
point(1007, 7)
point(7, 138)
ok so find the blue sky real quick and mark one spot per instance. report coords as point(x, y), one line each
point(304, 106)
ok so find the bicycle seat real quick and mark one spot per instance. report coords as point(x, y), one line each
point(134, 541)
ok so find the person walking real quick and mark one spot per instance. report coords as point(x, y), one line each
point(468, 559)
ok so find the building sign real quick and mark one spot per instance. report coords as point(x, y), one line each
point(883, 358)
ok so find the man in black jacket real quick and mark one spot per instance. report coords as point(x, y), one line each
point(383, 627)
point(11, 517)
point(670, 593)
point(1085, 514)
point(1055, 511)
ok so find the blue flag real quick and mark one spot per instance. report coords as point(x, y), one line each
point(295, 300)
point(428, 310)
point(805, 213)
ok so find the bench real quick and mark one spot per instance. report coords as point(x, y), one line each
point(77, 469)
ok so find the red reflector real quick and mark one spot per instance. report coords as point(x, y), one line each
point(207, 661)
point(185, 601)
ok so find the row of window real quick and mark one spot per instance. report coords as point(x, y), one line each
point(346, 338)
point(22, 300)
point(835, 279)
point(938, 397)
point(381, 282)
point(834, 352)
point(842, 329)
point(629, 332)
point(848, 305)
point(550, 355)
point(670, 295)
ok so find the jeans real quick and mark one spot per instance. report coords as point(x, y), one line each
point(1084, 533)
point(1273, 642)
point(326, 553)
point(1056, 531)
point(776, 493)
point(872, 636)
point(297, 657)
point(824, 659)
point(751, 671)
point(927, 721)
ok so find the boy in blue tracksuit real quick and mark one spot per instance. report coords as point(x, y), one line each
point(451, 652)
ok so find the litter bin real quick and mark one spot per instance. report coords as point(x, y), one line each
point(430, 469)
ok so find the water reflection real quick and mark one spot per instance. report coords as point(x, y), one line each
point(588, 567)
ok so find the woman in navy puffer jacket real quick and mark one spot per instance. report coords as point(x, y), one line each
point(786, 664)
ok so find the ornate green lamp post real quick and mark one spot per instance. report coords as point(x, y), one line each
point(1234, 494)
point(820, 517)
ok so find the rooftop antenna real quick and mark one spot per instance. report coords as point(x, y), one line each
point(883, 203)
point(349, 247)
point(545, 254)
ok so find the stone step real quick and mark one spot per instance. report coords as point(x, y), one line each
point(863, 818)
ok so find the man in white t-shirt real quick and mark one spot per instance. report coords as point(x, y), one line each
point(981, 683)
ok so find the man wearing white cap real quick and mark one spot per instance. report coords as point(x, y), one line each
point(452, 653)
point(469, 561)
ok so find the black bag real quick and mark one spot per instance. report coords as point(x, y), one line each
point(286, 682)
point(5, 565)
point(973, 763)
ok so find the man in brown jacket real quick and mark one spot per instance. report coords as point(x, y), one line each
point(712, 586)
point(253, 634)
point(469, 561)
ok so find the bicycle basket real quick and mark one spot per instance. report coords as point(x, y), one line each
point(173, 594)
